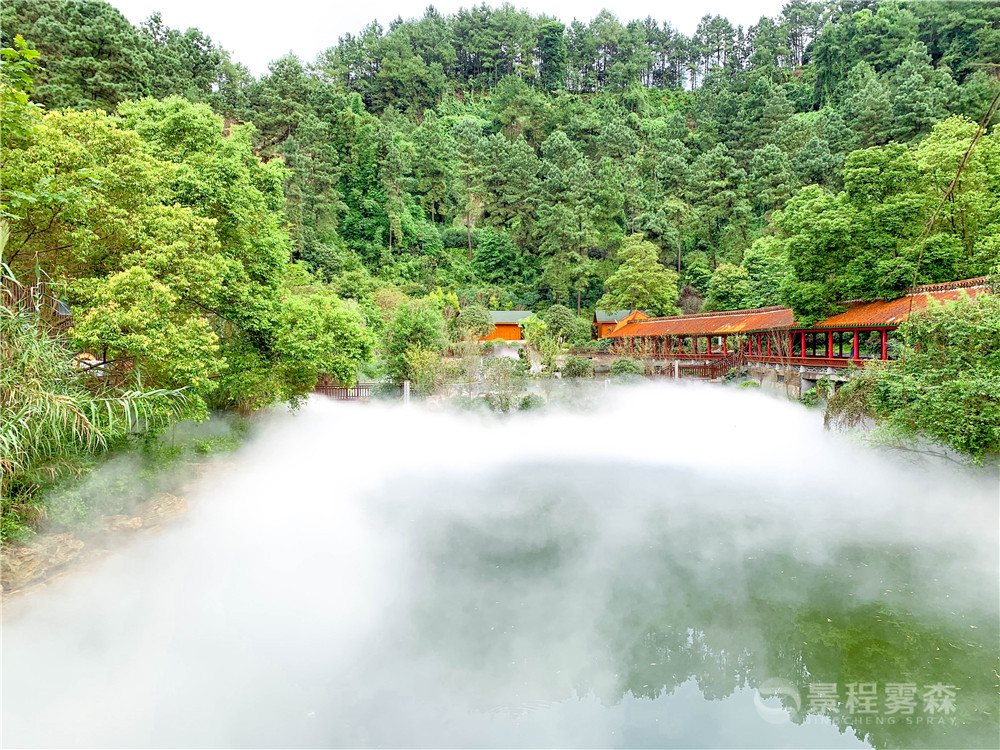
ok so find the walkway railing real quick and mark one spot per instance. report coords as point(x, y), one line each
point(359, 392)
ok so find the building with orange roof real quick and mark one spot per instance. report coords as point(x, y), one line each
point(507, 325)
point(605, 321)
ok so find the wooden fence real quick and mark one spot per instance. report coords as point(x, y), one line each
point(38, 297)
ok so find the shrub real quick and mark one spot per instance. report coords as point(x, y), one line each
point(531, 401)
point(810, 398)
point(577, 367)
point(627, 367)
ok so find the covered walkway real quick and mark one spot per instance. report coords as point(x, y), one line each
point(771, 335)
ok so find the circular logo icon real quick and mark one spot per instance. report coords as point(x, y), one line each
point(780, 710)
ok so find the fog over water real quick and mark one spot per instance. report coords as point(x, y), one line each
point(622, 574)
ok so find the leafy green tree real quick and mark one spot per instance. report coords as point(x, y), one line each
point(766, 264)
point(868, 106)
point(468, 138)
point(729, 288)
point(497, 260)
point(640, 282)
point(814, 163)
point(510, 185)
point(562, 322)
point(186, 64)
point(771, 178)
point(416, 327)
point(53, 416)
point(626, 368)
point(921, 94)
point(716, 181)
point(504, 381)
point(434, 166)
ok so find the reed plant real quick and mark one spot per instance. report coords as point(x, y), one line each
point(54, 418)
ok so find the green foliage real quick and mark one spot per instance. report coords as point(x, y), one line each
point(491, 157)
point(577, 367)
point(640, 282)
point(565, 324)
point(504, 381)
point(475, 321)
point(626, 367)
point(138, 471)
point(945, 386)
point(810, 398)
point(531, 402)
point(392, 157)
point(865, 241)
point(729, 288)
point(53, 416)
point(416, 327)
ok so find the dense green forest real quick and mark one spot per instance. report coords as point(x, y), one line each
point(229, 239)
point(506, 156)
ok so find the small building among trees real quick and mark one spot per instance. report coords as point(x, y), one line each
point(606, 320)
point(507, 325)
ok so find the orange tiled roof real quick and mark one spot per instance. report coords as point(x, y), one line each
point(633, 317)
point(895, 311)
point(710, 324)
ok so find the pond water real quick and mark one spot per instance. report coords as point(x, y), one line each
point(669, 566)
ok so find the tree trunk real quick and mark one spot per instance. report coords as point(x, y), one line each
point(578, 294)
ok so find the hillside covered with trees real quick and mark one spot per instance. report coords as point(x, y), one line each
point(234, 238)
point(506, 156)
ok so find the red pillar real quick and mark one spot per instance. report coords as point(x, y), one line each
point(885, 343)
point(725, 352)
point(855, 353)
point(829, 344)
point(768, 345)
point(709, 344)
point(803, 343)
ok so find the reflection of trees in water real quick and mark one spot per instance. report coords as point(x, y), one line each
point(811, 627)
point(533, 597)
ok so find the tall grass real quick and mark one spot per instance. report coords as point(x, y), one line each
point(54, 419)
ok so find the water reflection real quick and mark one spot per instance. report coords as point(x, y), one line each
point(542, 597)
